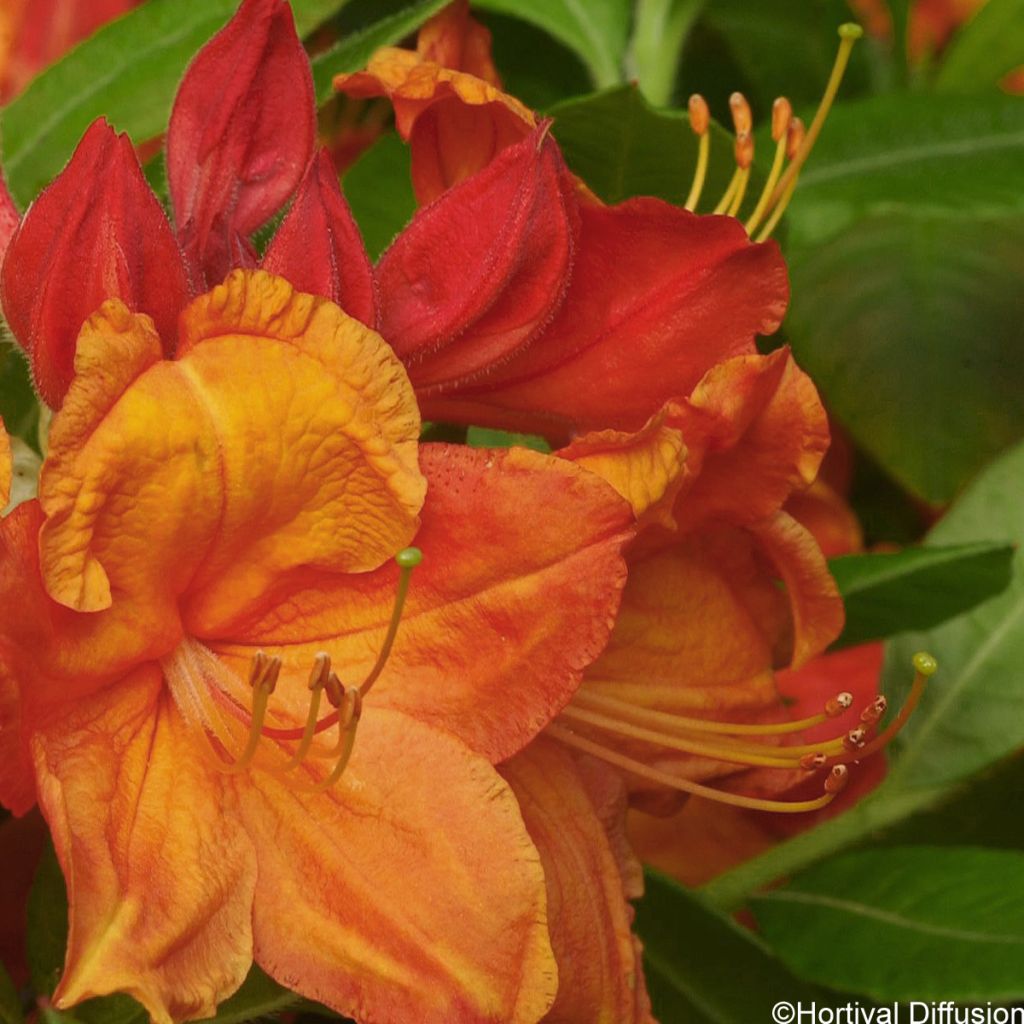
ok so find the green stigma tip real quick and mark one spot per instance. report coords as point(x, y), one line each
point(850, 30)
point(925, 663)
point(409, 558)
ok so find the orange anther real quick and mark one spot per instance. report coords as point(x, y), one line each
point(794, 137)
point(742, 119)
point(836, 705)
point(837, 779)
point(744, 150)
point(700, 116)
point(782, 114)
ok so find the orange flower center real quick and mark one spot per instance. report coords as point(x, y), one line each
point(211, 698)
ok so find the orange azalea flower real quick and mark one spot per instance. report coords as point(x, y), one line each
point(224, 514)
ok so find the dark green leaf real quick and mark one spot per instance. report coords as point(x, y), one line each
point(907, 307)
point(10, 1001)
point(974, 713)
point(693, 956)
point(379, 190)
point(47, 924)
point(622, 147)
point(985, 49)
point(19, 407)
point(127, 72)
point(916, 588)
point(597, 31)
point(355, 50)
point(483, 437)
point(872, 921)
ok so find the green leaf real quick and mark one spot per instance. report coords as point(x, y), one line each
point(657, 44)
point(355, 50)
point(127, 72)
point(974, 711)
point(10, 1001)
point(484, 437)
point(19, 406)
point(259, 996)
point(868, 921)
point(597, 30)
point(970, 716)
point(693, 956)
point(989, 46)
point(907, 306)
point(916, 588)
point(378, 187)
point(622, 147)
point(47, 924)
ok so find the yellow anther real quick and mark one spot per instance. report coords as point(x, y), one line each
point(700, 119)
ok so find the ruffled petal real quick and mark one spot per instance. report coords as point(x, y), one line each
point(829, 518)
point(410, 891)
point(160, 875)
point(284, 435)
point(574, 815)
point(477, 274)
point(455, 122)
point(240, 136)
point(658, 296)
point(455, 39)
point(503, 615)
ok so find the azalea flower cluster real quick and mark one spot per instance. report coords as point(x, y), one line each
point(261, 726)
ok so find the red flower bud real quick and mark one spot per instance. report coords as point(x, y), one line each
point(96, 233)
point(318, 246)
point(240, 137)
point(479, 272)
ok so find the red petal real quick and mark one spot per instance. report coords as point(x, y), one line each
point(241, 135)
point(8, 218)
point(318, 247)
point(479, 272)
point(96, 233)
point(658, 296)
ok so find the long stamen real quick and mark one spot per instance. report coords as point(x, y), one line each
point(782, 114)
point(744, 159)
point(263, 679)
point(407, 561)
point(925, 666)
point(350, 709)
point(848, 35)
point(318, 677)
point(742, 122)
point(834, 707)
point(833, 785)
point(700, 122)
point(794, 138)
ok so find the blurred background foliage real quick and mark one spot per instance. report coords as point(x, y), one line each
point(905, 242)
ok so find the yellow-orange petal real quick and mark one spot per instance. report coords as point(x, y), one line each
point(455, 122)
point(577, 829)
point(757, 431)
point(829, 517)
point(410, 891)
point(283, 435)
point(455, 39)
point(160, 874)
point(6, 465)
point(646, 467)
point(814, 601)
point(503, 615)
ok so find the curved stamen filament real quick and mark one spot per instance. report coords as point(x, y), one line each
point(925, 667)
point(782, 113)
point(666, 720)
point(263, 679)
point(700, 121)
point(848, 35)
point(407, 561)
point(317, 681)
point(833, 785)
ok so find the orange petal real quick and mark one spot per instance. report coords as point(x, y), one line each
point(647, 467)
point(455, 122)
point(814, 601)
point(160, 877)
point(828, 517)
point(455, 39)
point(502, 616)
point(284, 435)
point(6, 466)
point(410, 891)
point(757, 431)
point(600, 973)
